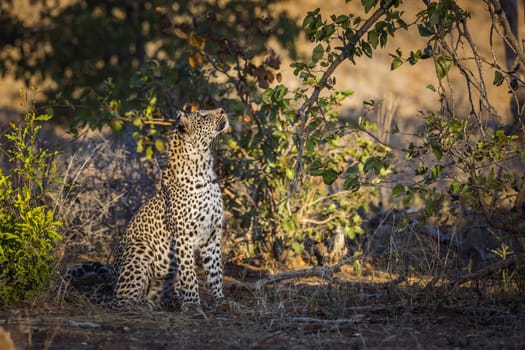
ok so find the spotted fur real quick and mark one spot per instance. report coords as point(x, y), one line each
point(155, 261)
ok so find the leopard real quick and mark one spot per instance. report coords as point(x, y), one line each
point(156, 258)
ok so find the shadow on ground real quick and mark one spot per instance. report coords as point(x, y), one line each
point(357, 312)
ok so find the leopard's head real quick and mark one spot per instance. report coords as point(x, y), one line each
point(198, 129)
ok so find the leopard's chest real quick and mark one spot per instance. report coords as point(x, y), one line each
point(197, 208)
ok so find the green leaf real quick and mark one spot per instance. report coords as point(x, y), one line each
point(431, 87)
point(267, 96)
point(341, 19)
point(353, 170)
point(352, 182)
point(44, 117)
point(138, 122)
point(455, 187)
point(498, 78)
point(436, 170)
point(341, 95)
point(116, 125)
point(140, 146)
point(368, 4)
point(149, 152)
point(443, 65)
point(297, 248)
point(407, 198)
point(317, 54)
point(421, 170)
point(329, 176)
point(160, 145)
point(290, 173)
point(367, 49)
point(383, 39)
point(279, 92)
point(326, 32)
point(373, 38)
point(311, 17)
point(396, 63)
point(398, 190)
point(424, 31)
point(437, 150)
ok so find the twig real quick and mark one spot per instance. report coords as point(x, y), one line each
point(515, 259)
point(316, 222)
point(154, 121)
point(321, 321)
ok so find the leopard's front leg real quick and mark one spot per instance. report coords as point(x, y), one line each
point(187, 277)
point(212, 263)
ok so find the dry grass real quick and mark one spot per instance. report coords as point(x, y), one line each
point(368, 311)
point(102, 185)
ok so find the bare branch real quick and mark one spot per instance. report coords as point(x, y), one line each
point(322, 272)
point(498, 15)
point(154, 121)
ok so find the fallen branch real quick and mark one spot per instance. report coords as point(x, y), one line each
point(493, 268)
point(321, 272)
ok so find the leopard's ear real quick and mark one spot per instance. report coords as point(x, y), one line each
point(176, 118)
point(183, 125)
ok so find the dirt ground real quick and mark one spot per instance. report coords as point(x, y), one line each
point(309, 313)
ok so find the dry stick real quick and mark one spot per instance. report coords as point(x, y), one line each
point(304, 110)
point(329, 322)
point(322, 272)
point(515, 259)
point(154, 121)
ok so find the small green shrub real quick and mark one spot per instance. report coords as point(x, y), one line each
point(28, 229)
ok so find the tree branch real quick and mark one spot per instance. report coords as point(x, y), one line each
point(322, 272)
point(498, 14)
point(304, 111)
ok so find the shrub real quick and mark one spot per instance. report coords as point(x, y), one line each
point(28, 229)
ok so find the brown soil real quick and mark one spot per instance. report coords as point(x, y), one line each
point(356, 313)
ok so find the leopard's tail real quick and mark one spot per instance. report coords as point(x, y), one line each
point(91, 279)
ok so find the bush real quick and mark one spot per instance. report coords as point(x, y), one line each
point(28, 229)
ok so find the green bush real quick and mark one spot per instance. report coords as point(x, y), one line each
point(28, 229)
